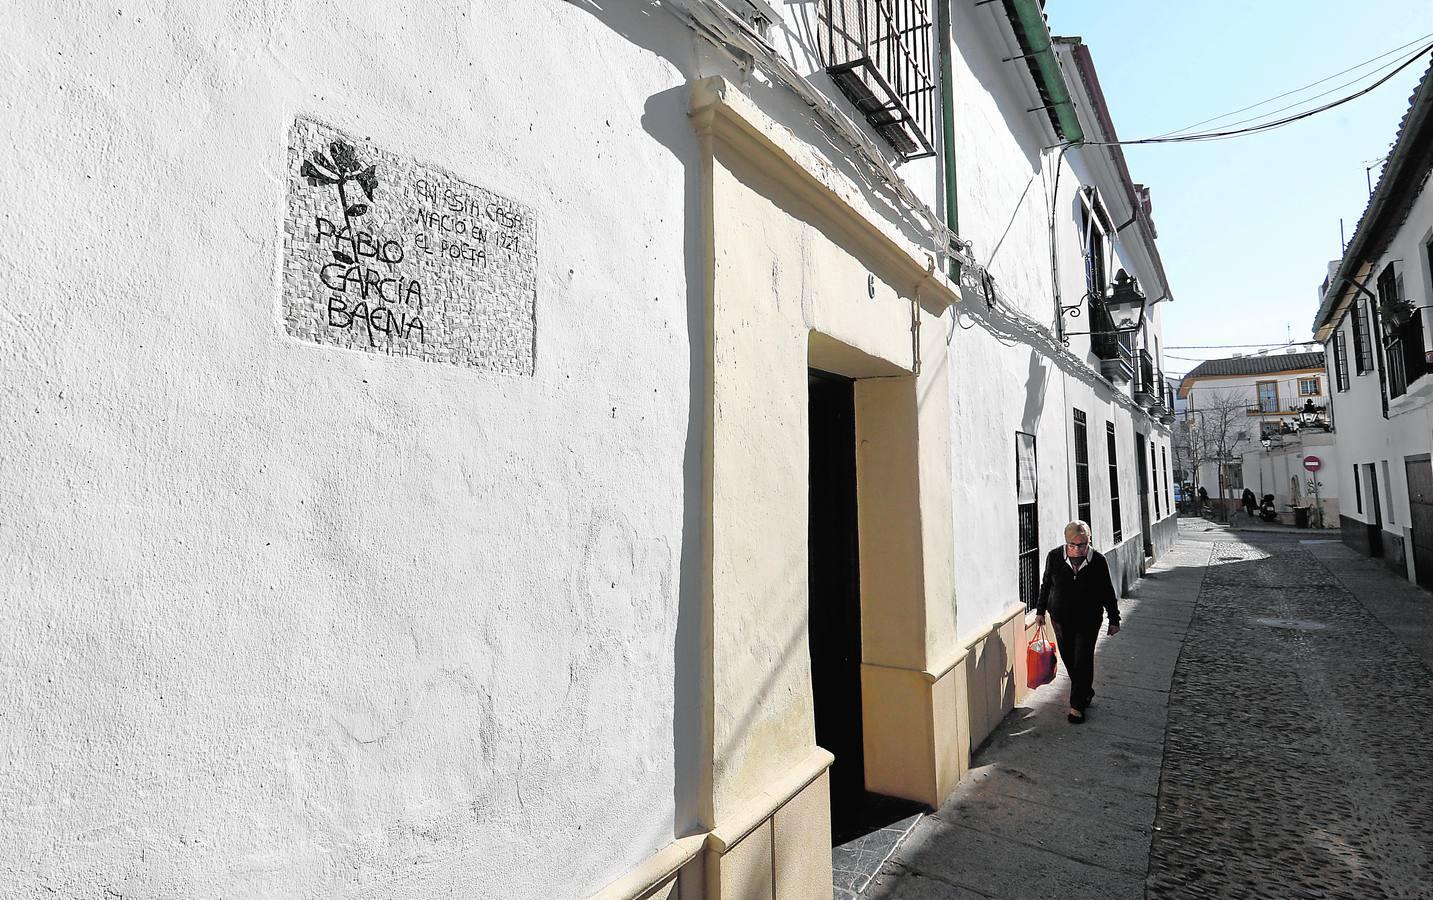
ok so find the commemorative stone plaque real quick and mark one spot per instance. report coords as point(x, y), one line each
point(386, 255)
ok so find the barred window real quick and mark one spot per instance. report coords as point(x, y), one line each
point(1362, 338)
point(1027, 495)
point(1340, 362)
point(1114, 482)
point(1168, 494)
point(879, 53)
point(1082, 469)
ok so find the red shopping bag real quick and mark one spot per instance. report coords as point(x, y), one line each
point(1040, 662)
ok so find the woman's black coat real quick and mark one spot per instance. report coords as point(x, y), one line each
point(1078, 600)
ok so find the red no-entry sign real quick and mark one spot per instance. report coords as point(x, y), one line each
point(1313, 463)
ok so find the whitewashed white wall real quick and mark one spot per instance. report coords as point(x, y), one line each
point(999, 385)
point(286, 620)
point(283, 619)
point(1364, 435)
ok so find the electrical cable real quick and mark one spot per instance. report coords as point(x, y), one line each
point(1270, 344)
point(1266, 126)
point(716, 22)
point(1299, 89)
point(1338, 87)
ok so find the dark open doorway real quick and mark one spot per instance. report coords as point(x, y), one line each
point(834, 579)
point(1375, 513)
point(834, 584)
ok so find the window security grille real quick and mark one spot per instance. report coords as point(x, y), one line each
point(1029, 555)
point(1114, 482)
point(1340, 362)
point(1168, 494)
point(879, 54)
point(1082, 469)
point(1026, 499)
point(1362, 338)
point(1027, 505)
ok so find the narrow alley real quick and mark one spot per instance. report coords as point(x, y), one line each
point(1257, 732)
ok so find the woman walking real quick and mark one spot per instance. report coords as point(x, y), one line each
point(1078, 592)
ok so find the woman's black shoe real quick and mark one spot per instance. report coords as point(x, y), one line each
point(1074, 719)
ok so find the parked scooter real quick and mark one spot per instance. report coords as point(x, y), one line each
point(1267, 512)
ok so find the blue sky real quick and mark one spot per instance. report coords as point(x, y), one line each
point(1247, 226)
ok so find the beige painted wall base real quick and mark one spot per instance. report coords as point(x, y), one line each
point(921, 725)
point(775, 847)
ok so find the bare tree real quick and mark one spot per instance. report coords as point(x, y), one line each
point(1216, 431)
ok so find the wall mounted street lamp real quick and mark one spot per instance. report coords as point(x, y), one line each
point(1124, 302)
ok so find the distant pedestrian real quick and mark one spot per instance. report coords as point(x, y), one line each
point(1203, 497)
point(1251, 503)
point(1078, 592)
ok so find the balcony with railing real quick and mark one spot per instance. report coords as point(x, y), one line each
point(879, 52)
point(1407, 355)
point(1158, 407)
point(1270, 409)
point(1116, 359)
point(1145, 389)
point(1291, 420)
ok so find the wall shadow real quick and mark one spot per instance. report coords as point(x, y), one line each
point(664, 117)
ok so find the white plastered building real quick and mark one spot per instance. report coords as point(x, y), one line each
point(1264, 413)
point(1374, 317)
point(543, 450)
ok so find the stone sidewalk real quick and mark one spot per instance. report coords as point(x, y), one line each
point(1052, 809)
point(1255, 732)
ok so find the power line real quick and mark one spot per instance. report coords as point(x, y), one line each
point(1331, 90)
point(1270, 125)
point(1270, 344)
point(1299, 89)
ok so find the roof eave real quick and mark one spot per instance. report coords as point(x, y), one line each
point(1391, 198)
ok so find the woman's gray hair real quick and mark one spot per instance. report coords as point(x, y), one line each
point(1077, 527)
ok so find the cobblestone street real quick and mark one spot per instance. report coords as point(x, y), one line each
point(1260, 729)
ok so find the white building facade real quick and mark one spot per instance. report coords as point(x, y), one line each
point(1374, 319)
point(1249, 421)
point(410, 485)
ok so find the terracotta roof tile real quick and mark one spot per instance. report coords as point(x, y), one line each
point(1257, 365)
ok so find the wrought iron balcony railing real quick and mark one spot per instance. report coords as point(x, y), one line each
point(879, 54)
point(1406, 355)
point(1293, 409)
point(1145, 390)
point(1160, 388)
